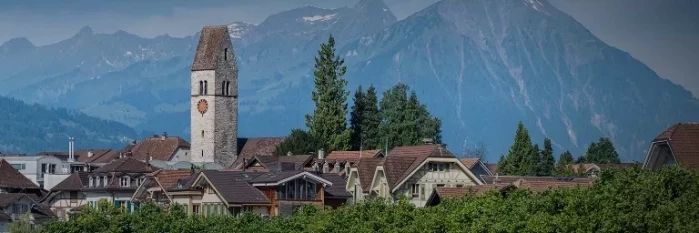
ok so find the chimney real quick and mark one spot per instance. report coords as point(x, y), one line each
point(71, 149)
point(90, 154)
point(321, 154)
point(164, 136)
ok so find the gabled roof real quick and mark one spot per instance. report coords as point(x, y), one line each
point(353, 156)
point(173, 179)
point(401, 161)
point(250, 147)
point(365, 170)
point(88, 155)
point(158, 148)
point(11, 178)
point(74, 182)
point(683, 139)
point(470, 162)
point(337, 189)
point(213, 40)
point(125, 165)
point(233, 187)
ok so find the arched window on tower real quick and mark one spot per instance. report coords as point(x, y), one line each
point(225, 54)
point(201, 87)
point(223, 88)
point(206, 88)
point(228, 88)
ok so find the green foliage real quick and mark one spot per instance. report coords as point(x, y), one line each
point(23, 225)
point(546, 160)
point(601, 151)
point(522, 157)
point(298, 142)
point(365, 120)
point(631, 200)
point(327, 123)
point(562, 168)
point(405, 121)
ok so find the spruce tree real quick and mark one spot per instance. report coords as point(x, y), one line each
point(365, 120)
point(405, 121)
point(298, 142)
point(562, 166)
point(517, 160)
point(328, 123)
point(546, 161)
point(602, 151)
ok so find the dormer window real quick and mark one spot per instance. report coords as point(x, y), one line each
point(91, 182)
point(125, 181)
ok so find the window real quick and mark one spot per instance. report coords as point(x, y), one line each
point(73, 197)
point(125, 181)
point(195, 209)
point(140, 181)
point(202, 133)
point(416, 190)
point(202, 153)
point(44, 168)
point(201, 87)
point(206, 87)
point(225, 54)
point(102, 180)
point(52, 168)
point(19, 166)
point(298, 189)
point(223, 88)
point(228, 88)
point(459, 185)
point(210, 190)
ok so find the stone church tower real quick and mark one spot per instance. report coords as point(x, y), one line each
point(214, 99)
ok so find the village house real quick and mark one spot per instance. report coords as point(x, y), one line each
point(228, 192)
point(19, 197)
point(340, 162)
point(411, 172)
point(36, 167)
point(162, 186)
point(676, 146)
point(476, 166)
point(114, 182)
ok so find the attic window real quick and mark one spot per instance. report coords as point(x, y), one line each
point(125, 181)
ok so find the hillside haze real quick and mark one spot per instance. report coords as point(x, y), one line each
point(478, 65)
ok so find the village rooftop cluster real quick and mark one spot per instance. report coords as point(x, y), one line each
point(219, 173)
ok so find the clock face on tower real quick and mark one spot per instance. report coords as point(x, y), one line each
point(202, 106)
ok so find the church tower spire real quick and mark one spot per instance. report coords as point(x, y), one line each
point(214, 99)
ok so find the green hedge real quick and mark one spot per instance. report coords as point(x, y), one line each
point(631, 200)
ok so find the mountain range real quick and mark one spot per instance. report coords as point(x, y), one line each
point(480, 66)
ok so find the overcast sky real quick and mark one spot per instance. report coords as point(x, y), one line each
point(664, 34)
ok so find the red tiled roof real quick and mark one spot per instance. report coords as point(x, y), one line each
point(541, 186)
point(684, 142)
point(249, 147)
point(74, 182)
point(365, 169)
point(448, 192)
point(169, 179)
point(11, 178)
point(212, 41)
point(125, 165)
point(158, 148)
point(401, 161)
point(351, 155)
point(470, 162)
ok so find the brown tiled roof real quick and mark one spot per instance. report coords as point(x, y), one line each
point(449, 192)
point(74, 182)
point(234, 188)
point(493, 167)
point(158, 148)
point(11, 178)
point(338, 189)
point(541, 186)
point(213, 40)
point(512, 179)
point(249, 147)
point(351, 155)
point(365, 169)
point(278, 163)
point(401, 161)
point(683, 139)
point(88, 155)
point(125, 165)
point(8, 198)
point(171, 179)
point(470, 162)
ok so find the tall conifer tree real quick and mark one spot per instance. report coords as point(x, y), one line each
point(518, 159)
point(546, 161)
point(328, 123)
point(365, 120)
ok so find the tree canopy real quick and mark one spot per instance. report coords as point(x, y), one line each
point(602, 151)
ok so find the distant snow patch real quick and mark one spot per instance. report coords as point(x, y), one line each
point(318, 18)
point(534, 4)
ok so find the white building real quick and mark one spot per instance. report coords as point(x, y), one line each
point(37, 167)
